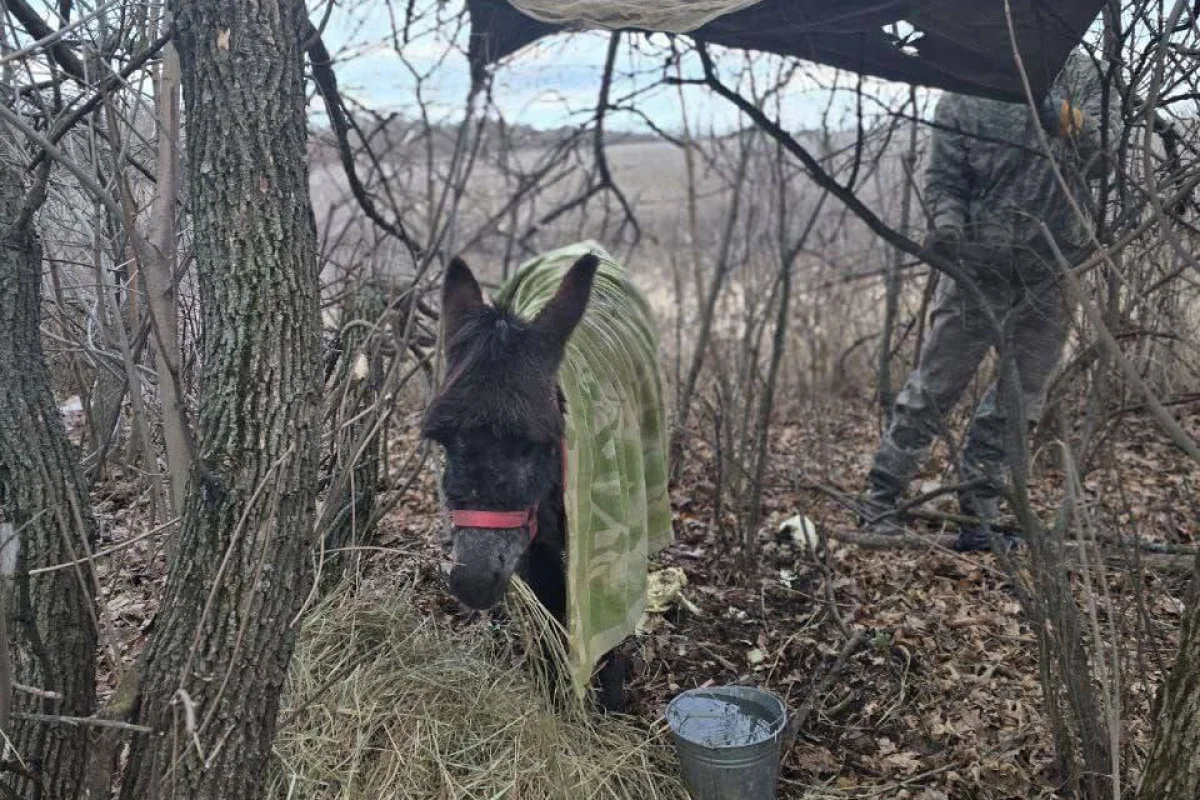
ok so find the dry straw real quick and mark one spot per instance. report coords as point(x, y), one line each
point(381, 704)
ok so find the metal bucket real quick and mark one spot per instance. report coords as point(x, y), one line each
point(729, 740)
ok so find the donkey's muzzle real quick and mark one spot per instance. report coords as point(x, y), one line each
point(484, 561)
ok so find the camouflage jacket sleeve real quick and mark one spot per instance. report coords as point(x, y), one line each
point(1085, 87)
point(947, 180)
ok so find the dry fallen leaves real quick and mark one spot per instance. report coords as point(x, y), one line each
point(942, 702)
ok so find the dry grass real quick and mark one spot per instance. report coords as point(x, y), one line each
point(382, 704)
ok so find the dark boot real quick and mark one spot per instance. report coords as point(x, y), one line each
point(883, 494)
point(976, 537)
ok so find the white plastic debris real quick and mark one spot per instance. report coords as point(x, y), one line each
point(802, 532)
point(73, 405)
point(361, 367)
point(664, 588)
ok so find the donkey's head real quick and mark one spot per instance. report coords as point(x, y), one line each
point(499, 419)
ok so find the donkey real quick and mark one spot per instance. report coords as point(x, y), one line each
point(499, 416)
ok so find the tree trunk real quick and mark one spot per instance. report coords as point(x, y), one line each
point(887, 394)
point(1173, 769)
point(52, 631)
point(219, 649)
point(158, 273)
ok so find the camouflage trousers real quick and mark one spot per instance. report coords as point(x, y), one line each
point(1035, 318)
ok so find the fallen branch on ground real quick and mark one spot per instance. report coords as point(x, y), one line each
point(849, 649)
point(1162, 557)
point(1118, 552)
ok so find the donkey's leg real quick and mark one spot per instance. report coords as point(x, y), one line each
point(547, 579)
point(610, 680)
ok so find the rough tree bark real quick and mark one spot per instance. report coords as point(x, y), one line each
point(1173, 769)
point(219, 649)
point(52, 632)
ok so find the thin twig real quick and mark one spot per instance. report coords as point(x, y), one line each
point(113, 81)
point(46, 37)
point(93, 722)
point(45, 694)
point(848, 649)
point(108, 551)
point(326, 80)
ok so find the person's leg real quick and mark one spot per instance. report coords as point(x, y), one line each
point(958, 340)
point(981, 472)
point(1039, 325)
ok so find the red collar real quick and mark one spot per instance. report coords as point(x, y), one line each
point(506, 520)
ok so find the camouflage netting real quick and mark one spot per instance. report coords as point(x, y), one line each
point(962, 47)
point(676, 16)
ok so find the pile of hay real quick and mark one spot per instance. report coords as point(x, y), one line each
point(380, 705)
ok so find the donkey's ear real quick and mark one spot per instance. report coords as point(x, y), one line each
point(460, 295)
point(560, 316)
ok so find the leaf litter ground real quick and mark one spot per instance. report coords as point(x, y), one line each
point(915, 670)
